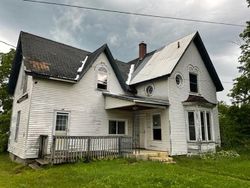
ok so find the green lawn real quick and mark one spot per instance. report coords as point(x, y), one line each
point(187, 172)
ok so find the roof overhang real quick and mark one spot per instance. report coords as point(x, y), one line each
point(124, 102)
point(195, 100)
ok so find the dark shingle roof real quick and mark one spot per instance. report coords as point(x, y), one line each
point(46, 58)
point(49, 58)
point(197, 99)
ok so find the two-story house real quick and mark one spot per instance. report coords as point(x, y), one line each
point(165, 99)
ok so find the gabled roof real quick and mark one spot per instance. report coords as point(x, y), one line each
point(49, 59)
point(163, 61)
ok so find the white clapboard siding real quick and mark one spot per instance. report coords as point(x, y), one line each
point(160, 89)
point(18, 147)
point(83, 101)
point(179, 94)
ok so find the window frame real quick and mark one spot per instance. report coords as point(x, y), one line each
point(188, 130)
point(18, 120)
point(198, 124)
point(210, 129)
point(157, 128)
point(55, 121)
point(98, 81)
point(197, 84)
point(116, 123)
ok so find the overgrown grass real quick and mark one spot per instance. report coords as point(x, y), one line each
point(187, 172)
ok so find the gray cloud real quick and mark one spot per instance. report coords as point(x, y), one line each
point(90, 29)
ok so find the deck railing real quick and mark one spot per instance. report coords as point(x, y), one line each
point(68, 149)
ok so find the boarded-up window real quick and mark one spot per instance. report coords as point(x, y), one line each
point(61, 121)
point(17, 125)
point(191, 126)
point(156, 127)
point(102, 78)
point(193, 82)
point(116, 127)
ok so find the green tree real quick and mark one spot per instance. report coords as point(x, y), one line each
point(5, 99)
point(241, 89)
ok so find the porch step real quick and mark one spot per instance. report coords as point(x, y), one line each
point(34, 166)
point(153, 156)
point(42, 162)
point(162, 159)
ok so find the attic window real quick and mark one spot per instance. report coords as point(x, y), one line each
point(178, 80)
point(193, 82)
point(102, 78)
point(149, 90)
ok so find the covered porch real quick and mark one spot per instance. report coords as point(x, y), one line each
point(150, 129)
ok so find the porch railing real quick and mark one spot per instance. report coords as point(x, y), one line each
point(68, 149)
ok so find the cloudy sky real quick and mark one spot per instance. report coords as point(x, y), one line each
point(90, 29)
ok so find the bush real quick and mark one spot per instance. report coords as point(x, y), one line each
point(234, 125)
point(4, 131)
point(230, 154)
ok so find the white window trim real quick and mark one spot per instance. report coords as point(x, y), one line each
point(69, 119)
point(126, 126)
point(182, 78)
point(102, 64)
point(18, 121)
point(198, 81)
point(195, 126)
point(152, 127)
point(198, 124)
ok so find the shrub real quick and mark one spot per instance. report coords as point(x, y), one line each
point(230, 154)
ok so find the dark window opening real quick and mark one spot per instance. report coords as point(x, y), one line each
point(116, 127)
point(157, 127)
point(193, 82)
point(203, 133)
point(208, 127)
point(191, 125)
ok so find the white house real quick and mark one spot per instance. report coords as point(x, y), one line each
point(165, 99)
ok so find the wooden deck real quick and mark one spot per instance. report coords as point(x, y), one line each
point(69, 149)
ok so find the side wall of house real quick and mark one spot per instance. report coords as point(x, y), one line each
point(82, 100)
point(179, 94)
point(17, 147)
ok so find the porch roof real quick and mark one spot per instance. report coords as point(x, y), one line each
point(128, 102)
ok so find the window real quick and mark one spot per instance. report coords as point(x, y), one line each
point(17, 125)
point(149, 90)
point(61, 121)
point(208, 127)
point(191, 126)
point(24, 82)
point(203, 130)
point(157, 127)
point(116, 127)
point(178, 80)
point(193, 82)
point(102, 78)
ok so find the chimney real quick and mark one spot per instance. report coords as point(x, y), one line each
point(142, 50)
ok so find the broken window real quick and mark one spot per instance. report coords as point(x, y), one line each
point(102, 78)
